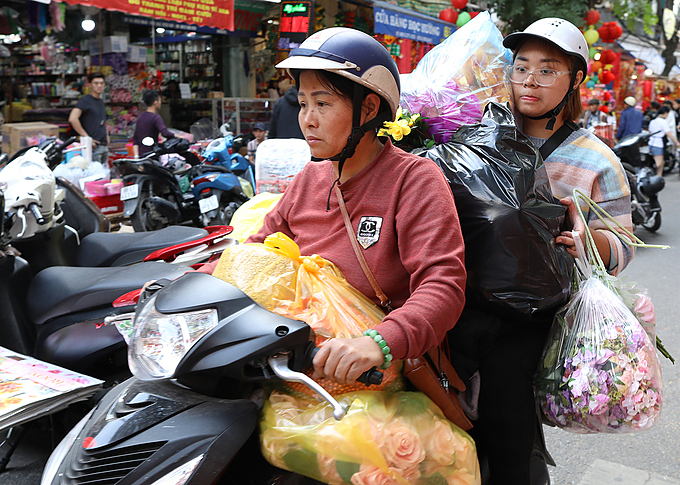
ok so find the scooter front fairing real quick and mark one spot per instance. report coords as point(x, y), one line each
point(157, 433)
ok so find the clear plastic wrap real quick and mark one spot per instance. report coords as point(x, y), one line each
point(385, 438)
point(599, 372)
point(452, 84)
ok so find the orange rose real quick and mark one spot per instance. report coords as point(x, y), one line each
point(274, 447)
point(328, 471)
point(402, 446)
point(443, 443)
point(372, 475)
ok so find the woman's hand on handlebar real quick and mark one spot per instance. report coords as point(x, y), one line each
point(343, 360)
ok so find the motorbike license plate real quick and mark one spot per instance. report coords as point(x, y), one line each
point(208, 204)
point(129, 192)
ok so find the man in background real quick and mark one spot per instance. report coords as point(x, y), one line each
point(593, 116)
point(88, 118)
point(631, 120)
point(284, 122)
point(259, 132)
point(149, 124)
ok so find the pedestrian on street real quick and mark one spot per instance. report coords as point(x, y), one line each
point(260, 134)
point(593, 116)
point(88, 118)
point(550, 62)
point(631, 120)
point(149, 124)
point(284, 117)
point(660, 128)
point(672, 118)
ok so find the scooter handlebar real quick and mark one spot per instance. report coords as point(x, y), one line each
point(65, 145)
point(371, 377)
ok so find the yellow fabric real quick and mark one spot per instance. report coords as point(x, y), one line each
point(249, 217)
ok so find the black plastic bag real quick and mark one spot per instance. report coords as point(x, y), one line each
point(508, 216)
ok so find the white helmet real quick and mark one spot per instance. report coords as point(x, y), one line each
point(568, 39)
point(560, 32)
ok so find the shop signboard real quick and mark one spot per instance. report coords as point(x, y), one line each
point(247, 17)
point(294, 23)
point(210, 13)
point(406, 24)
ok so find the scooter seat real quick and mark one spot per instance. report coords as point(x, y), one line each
point(61, 290)
point(117, 249)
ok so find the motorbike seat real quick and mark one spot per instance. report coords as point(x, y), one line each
point(118, 249)
point(60, 290)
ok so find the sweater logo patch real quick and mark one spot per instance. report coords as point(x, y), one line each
point(369, 231)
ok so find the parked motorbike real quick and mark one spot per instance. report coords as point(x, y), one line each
point(226, 180)
point(644, 183)
point(200, 350)
point(52, 311)
point(154, 195)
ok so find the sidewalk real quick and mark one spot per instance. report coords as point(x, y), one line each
point(603, 472)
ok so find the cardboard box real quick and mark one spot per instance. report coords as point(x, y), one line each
point(136, 53)
point(112, 43)
point(19, 135)
point(215, 94)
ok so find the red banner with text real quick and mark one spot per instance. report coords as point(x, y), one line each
point(210, 13)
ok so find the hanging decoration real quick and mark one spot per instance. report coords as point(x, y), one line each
point(448, 15)
point(609, 32)
point(591, 35)
point(592, 17)
point(463, 18)
point(459, 4)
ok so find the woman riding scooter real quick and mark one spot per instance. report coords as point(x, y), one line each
point(550, 62)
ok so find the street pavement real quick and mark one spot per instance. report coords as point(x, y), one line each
point(646, 458)
point(650, 457)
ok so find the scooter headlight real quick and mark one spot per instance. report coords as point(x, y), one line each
point(160, 341)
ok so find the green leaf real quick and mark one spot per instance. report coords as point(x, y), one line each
point(436, 479)
point(346, 469)
point(303, 462)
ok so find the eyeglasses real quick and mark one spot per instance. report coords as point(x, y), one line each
point(542, 77)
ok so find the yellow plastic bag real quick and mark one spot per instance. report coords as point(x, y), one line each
point(249, 217)
point(307, 288)
point(387, 438)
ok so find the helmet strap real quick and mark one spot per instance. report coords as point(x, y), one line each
point(554, 113)
point(355, 137)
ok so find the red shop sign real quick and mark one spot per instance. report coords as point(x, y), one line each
point(209, 13)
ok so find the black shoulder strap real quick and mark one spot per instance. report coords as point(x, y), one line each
point(557, 138)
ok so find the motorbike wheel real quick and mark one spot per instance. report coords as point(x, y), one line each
point(225, 213)
point(653, 223)
point(145, 217)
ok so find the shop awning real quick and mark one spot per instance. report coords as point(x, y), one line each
point(647, 54)
point(209, 13)
point(407, 24)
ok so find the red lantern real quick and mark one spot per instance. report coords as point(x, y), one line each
point(448, 15)
point(607, 95)
point(607, 57)
point(604, 109)
point(607, 77)
point(647, 89)
point(459, 4)
point(610, 31)
point(592, 17)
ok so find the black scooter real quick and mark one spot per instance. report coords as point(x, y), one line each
point(644, 183)
point(154, 195)
point(191, 418)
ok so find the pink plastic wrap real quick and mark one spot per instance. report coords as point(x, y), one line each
point(453, 83)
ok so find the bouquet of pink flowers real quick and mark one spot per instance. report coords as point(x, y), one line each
point(600, 372)
point(387, 438)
